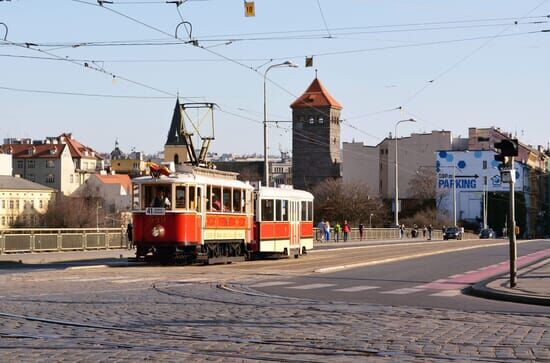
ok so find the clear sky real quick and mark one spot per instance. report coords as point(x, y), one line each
point(451, 64)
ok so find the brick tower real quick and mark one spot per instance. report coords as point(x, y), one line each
point(316, 152)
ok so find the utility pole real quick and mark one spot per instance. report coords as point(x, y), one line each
point(512, 226)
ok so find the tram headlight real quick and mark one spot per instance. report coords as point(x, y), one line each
point(157, 231)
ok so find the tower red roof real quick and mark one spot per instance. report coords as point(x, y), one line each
point(316, 95)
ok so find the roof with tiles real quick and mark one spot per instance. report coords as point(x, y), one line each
point(316, 95)
point(77, 149)
point(29, 151)
point(121, 179)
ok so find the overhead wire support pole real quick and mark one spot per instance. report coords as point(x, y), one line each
point(397, 173)
point(266, 156)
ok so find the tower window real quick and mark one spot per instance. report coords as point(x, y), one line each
point(311, 119)
point(321, 119)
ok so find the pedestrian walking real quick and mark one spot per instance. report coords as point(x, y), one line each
point(424, 230)
point(327, 231)
point(130, 235)
point(361, 227)
point(346, 230)
point(402, 231)
point(430, 229)
point(337, 230)
point(321, 231)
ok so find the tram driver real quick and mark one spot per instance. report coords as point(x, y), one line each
point(161, 200)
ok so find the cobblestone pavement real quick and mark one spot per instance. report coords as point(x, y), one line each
point(195, 314)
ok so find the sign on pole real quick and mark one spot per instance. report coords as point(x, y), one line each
point(249, 9)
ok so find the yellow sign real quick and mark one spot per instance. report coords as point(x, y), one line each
point(249, 9)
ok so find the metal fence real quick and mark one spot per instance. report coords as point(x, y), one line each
point(18, 240)
point(387, 234)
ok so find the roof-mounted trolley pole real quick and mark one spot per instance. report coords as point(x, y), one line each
point(204, 110)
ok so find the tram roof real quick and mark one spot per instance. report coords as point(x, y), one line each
point(284, 191)
point(192, 178)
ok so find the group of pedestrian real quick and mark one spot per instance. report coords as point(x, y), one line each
point(415, 231)
point(324, 231)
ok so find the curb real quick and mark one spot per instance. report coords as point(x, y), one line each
point(482, 290)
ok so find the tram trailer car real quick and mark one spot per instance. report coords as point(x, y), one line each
point(208, 216)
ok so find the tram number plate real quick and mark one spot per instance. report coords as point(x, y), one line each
point(155, 211)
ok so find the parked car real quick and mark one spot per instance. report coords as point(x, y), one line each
point(452, 233)
point(486, 233)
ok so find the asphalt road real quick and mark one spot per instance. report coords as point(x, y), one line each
point(431, 282)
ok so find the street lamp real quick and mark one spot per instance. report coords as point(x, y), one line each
point(370, 220)
point(397, 173)
point(266, 158)
point(97, 208)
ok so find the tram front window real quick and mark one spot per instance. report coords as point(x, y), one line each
point(158, 196)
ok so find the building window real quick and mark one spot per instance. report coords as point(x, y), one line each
point(30, 164)
point(3, 204)
point(40, 204)
point(17, 204)
point(484, 164)
point(72, 178)
point(311, 120)
point(50, 164)
point(321, 119)
point(302, 118)
point(3, 220)
point(50, 178)
point(19, 164)
point(11, 204)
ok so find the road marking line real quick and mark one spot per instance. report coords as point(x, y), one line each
point(357, 288)
point(134, 280)
point(310, 286)
point(447, 293)
point(85, 267)
point(403, 291)
point(271, 283)
point(97, 279)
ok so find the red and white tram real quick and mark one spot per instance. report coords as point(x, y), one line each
point(206, 215)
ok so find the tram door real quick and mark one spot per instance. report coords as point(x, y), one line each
point(294, 225)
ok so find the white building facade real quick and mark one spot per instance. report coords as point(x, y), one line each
point(474, 173)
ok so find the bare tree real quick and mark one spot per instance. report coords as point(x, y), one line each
point(339, 201)
point(80, 211)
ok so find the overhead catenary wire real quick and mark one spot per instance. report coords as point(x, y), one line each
point(470, 54)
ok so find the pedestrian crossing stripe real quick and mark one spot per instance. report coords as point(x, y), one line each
point(403, 291)
point(357, 288)
point(310, 286)
point(447, 293)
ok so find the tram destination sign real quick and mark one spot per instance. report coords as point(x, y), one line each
point(151, 211)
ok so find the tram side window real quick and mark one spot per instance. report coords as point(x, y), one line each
point(135, 197)
point(199, 199)
point(310, 211)
point(278, 210)
point(304, 211)
point(192, 198)
point(216, 204)
point(267, 210)
point(284, 210)
point(227, 200)
point(180, 197)
point(237, 200)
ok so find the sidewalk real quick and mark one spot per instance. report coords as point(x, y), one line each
point(533, 285)
point(71, 257)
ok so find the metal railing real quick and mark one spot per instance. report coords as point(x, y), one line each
point(20, 240)
point(387, 234)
